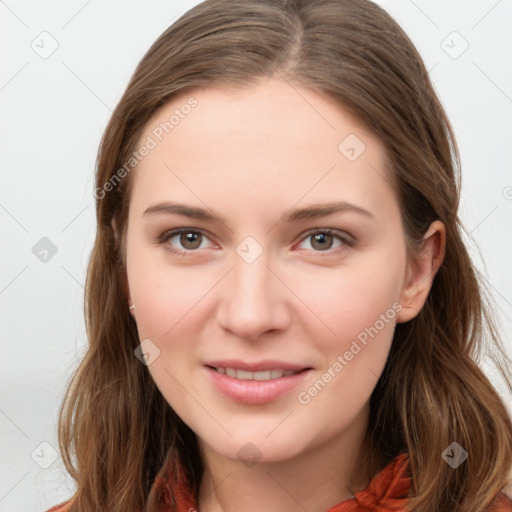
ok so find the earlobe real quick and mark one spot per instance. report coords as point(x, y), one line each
point(421, 271)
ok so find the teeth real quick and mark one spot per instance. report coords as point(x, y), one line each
point(260, 375)
point(242, 374)
point(231, 372)
point(265, 375)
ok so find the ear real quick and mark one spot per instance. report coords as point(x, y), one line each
point(421, 270)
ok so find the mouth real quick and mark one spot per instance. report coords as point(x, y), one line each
point(255, 383)
point(261, 375)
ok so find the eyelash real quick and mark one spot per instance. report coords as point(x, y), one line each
point(165, 237)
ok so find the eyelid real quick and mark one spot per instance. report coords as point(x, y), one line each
point(342, 236)
point(171, 233)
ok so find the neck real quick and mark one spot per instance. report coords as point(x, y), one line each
point(314, 480)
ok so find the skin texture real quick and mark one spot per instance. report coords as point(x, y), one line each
point(251, 154)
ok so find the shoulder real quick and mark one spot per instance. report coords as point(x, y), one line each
point(62, 507)
point(502, 502)
point(507, 490)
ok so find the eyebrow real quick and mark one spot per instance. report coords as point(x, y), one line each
point(310, 212)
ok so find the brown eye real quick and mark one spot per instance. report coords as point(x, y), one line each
point(327, 240)
point(190, 240)
point(322, 241)
point(184, 241)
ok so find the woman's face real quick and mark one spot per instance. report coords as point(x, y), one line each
point(291, 263)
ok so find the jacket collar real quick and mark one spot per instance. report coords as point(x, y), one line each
point(388, 490)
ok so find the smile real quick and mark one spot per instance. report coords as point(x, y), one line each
point(260, 384)
point(259, 375)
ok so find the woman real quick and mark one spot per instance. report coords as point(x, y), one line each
point(280, 308)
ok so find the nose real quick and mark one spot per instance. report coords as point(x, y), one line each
point(254, 300)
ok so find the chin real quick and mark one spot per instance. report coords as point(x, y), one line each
point(250, 450)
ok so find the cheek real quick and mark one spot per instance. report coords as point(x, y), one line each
point(358, 307)
point(350, 302)
point(164, 296)
point(167, 309)
point(363, 320)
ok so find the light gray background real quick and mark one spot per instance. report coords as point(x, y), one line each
point(54, 111)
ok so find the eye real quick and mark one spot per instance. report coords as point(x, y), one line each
point(189, 239)
point(323, 240)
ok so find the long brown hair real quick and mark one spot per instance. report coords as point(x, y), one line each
point(115, 423)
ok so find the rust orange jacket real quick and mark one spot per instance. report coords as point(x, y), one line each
point(387, 492)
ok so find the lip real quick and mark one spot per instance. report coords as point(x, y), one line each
point(253, 391)
point(256, 366)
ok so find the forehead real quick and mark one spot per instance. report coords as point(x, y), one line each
point(275, 139)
